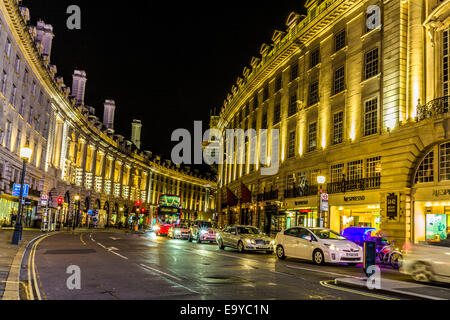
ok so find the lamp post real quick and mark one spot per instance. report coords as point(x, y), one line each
point(320, 181)
point(25, 155)
point(77, 212)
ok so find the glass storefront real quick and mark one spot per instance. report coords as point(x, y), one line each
point(431, 221)
point(8, 212)
point(368, 216)
point(305, 217)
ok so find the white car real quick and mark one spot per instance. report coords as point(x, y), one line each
point(427, 262)
point(318, 245)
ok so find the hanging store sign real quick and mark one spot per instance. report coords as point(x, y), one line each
point(392, 206)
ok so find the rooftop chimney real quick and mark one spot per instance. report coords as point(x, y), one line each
point(79, 86)
point(136, 133)
point(44, 34)
point(108, 115)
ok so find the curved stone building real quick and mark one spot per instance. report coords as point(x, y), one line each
point(359, 91)
point(74, 154)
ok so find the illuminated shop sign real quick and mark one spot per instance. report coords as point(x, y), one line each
point(439, 193)
point(358, 198)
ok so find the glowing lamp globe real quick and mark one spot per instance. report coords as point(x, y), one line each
point(321, 180)
point(25, 153)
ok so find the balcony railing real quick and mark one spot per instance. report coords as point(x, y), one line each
point(354, 185)
point(267, 196)
point(433, 108)
point(298, 192)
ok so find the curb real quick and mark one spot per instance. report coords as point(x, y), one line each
point(401, 293)
point(12, 288)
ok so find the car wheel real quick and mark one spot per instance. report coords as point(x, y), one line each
point(241, 247)
point(396, 261)
point(220, 244)
point(280, 253)
point(421, 272)
point(318, 257)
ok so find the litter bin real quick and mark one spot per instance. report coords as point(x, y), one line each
point(370, 256)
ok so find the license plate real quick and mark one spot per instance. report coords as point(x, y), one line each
point(352, 254)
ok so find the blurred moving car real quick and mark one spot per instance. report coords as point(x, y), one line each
point(427, 262)
point(319, 245)
point(244, 238)
point(202, 231)
point(179, 232)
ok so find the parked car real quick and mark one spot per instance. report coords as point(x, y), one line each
point(202, 231)
point(244, 238)
point(179, 232)
point(320, 245)
point(427, 262)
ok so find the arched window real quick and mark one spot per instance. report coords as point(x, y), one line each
point(444, 162)
point(425, 173)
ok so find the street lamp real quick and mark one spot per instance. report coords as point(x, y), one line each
point(77, 200)
point(25, 155)
point(320, 181)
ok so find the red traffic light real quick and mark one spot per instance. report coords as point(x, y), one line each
point(60, 201)
point(143, 210)
point(138, 203)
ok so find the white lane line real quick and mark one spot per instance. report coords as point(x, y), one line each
point(160, 272)
point(119, 255)
point(101, 245)
point(320, 271)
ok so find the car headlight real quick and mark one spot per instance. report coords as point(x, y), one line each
point(156, 228)
point(272, 242)
point(203, 232)
point(178, 232)
point(332, 247)
point(251, 241)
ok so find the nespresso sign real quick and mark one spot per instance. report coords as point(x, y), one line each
point(351, 199)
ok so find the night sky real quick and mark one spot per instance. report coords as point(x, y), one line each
point(167, 63)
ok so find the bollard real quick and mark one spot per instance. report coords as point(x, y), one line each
point(370, 255)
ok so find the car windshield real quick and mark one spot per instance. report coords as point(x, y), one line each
point(183, 226)
point(247, 230)
point(327, 234)
point(204, 224)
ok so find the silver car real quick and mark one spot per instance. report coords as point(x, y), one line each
point(427, 262)
point(244, 238)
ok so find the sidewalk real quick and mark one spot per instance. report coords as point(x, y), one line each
point(412, 290)
point(8, 253)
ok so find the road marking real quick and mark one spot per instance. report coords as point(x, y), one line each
point(147, 268)
point(32, 258)
point(320, 271)
point(115, 239)
point(160, 272)
point(327, 285)
point(118, 254)
point(82, 241)
point(101, 245)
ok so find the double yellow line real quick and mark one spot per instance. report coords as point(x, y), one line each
point(33, 272)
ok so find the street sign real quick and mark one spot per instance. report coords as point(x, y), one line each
point(324, 202)
point(44, 197)
point(44, 203)
point(16, 190)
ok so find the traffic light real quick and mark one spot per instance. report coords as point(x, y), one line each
point(60, 201)
point(143, 210)
point(138, 203)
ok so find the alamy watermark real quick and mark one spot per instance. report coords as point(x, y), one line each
point(231, 147)
point(74, 20)
point(74, 280)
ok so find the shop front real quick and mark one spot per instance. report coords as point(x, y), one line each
point(431, 213)
point(9, 207)
point(355, 210)
point(301, 213)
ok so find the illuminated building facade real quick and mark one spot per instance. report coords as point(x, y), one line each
point(73, 152)
point(359, 92)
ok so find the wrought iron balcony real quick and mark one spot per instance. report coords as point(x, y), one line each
point(433, 108)
point(354, 185)
point(298, 192)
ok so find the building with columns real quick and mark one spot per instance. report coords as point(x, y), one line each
point(75, 154)
point(359, 91)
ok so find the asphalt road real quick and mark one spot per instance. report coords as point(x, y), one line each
point(126, 266)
